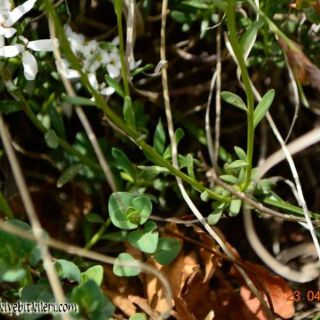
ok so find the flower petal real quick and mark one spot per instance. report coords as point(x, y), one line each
point(108, 91)
point(30, 65)
point(18, 12)
point(41, 45)
point(11, 51)
point(113, 71)
point(7, 32)
point(5, 5)
point(1, 41)
point(93, 81)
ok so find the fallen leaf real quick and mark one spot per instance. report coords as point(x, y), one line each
point(210, 260)
point(122, 302)
point(277, 288)
point(183, 313)
point(142, 303)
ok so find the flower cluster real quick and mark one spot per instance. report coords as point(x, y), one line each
point(23, 46)
point(93, 57)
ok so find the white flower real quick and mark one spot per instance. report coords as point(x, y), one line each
point(5, 5)
point(29, 62)
point(9, 17)
point(93, 58)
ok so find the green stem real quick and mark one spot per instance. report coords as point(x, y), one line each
point(288, 207)
point(18, 96)
point(96, 237)
point(115, 119)
point(124, 65)
point(231, 23)
point(5, 208)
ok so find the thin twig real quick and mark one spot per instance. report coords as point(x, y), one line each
point(174, 151)
point(212, 151)
point(80, 252)
point(295, 97)
point(34, 221)
point(80, 113)
point(218, 100)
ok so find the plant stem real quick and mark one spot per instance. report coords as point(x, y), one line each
point(231, 23)
point(115, 119)
point(18, 96)
point(124, 65)
point(97, 236)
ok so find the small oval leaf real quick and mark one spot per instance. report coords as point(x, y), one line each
point(69, 174)
point(126, 266)
point(234, 100)
point(263, 106)
point(51, 139)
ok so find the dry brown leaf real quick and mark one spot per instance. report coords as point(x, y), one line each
point(142, 303)
point(303, 69)
point(278, 290)
point(198, 294)
point(183, 313)
point(210, 260)
point(154, 290)
point(121, 302)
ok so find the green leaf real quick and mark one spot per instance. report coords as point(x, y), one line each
point(119, 202)
point(126, 266)
point(143, 205)
point(234, 208)
point(57, 122)
point(143, 69)
point(179, 134)
point(237, 164)
point(234, 100)
point(240, 153)
point(190, 165)
point(229, 178)
point(145, 240)
point(51, 139)
point(68, 270)
point(215, 216)
point(195, 4)
point(9, 106)
point(115, 85)
point(12, 275)
point(159, 138)
point(179, 16)
point(118, 7)
point(37, 292)
point(248, 38)
point(78, 101)
point(167, 250)
point(94, 273)
point(123, 162)
point(263, 106)
point(94, 218)
point(92, 302)
point(118, 236)
point(69, 174)
point(138, 316)
point(128, 112)
point(204, 196)
point(127, 211)
point(154, 169)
